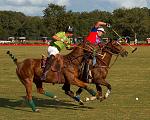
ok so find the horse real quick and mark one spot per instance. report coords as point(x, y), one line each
point(63, 71)
point(99, 71)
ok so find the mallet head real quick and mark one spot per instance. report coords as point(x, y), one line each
point(134, 50)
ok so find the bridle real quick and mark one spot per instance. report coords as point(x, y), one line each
point(110, 49)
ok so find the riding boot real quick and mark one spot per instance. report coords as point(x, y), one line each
point(49, 62)
point(66, 87)
point(43, 62)
point(86, 76)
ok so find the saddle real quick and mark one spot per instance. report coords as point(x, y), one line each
point(56, 65)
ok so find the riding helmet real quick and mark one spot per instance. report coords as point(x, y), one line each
point(101, 29)
point(69, 29)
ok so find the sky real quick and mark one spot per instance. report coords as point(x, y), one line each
point(36, 7)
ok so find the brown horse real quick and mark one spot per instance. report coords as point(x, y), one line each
point(63, 71)
point(99, 71)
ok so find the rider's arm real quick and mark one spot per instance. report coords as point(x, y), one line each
point(100, 23)
point(56, 37)
point(59, 37)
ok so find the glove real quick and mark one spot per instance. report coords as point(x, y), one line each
point(69, 47)
point(65, 42)
point(108, 25)
point(101, 45)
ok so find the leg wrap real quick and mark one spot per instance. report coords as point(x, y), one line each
point(92, 92)
point(49, 94)
point(32, 105)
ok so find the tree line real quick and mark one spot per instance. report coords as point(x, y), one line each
point(133, 22)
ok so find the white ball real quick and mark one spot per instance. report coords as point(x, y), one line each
point(137, 98)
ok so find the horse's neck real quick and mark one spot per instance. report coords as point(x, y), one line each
point(105, 59)
point(75, 56)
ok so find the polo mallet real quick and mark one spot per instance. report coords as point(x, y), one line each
point(133, 49)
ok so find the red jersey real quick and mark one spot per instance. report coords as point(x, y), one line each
point(92, 37)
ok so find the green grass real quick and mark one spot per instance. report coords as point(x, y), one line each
point(129, 77)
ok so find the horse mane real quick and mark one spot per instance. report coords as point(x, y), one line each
point(75, 53)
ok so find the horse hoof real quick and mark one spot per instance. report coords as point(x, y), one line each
point(81, 102)
point(87, 99)
point(55, 97)
point(37, 110)
point(93, 98)
point(102, 98)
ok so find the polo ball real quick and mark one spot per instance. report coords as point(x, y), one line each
point(137, 98)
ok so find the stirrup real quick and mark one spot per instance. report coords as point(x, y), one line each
point(43, 77)
point(90, 77)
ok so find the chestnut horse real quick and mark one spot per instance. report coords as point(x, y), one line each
point(99, 71)
point(63, 71)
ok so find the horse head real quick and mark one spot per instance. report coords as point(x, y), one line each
point(115, 47)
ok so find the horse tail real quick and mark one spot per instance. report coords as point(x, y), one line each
point(12, 57)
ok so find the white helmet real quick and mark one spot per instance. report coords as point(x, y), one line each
point(101, 29)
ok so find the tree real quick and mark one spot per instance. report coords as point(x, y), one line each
point(132, 21)
point(127, 22)
point(54, 18)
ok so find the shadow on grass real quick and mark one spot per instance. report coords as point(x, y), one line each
point(40, 102)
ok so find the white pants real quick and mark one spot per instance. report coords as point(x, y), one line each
point(52, 51)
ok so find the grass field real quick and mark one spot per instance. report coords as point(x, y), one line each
point(129, 77)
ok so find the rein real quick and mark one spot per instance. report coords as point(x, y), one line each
point(115, 58)
point(85, 48)
point(114, 61)
point(103, 56)
point(76, 58)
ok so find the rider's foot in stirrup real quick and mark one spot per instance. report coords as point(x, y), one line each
point(90, 77)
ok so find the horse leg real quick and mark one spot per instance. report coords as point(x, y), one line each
point(105, 83)
point(99, 94)
point(78, 92)
point(71, 77)
point(66, 88)
point(28, 86)
point(99, 91)
point(108, 91)
point(40, 89)
point(81, 84)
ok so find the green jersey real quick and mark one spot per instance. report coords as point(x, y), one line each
point(59, 44)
